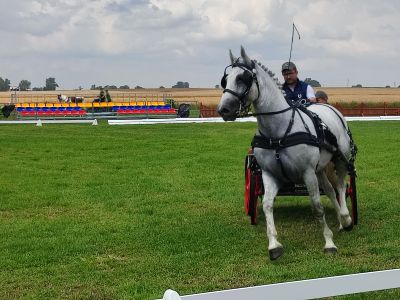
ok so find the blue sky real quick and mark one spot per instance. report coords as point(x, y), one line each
point(158, 42)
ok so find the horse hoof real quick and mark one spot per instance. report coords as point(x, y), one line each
point(331, 250)
point(349, 228)
point(275, 253)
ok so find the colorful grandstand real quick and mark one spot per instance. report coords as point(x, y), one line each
point(53, 110)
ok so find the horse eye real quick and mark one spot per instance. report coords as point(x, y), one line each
point(240, 79)
point(244, 78)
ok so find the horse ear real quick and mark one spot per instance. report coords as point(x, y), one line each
point(233, 59)
point(246, 59)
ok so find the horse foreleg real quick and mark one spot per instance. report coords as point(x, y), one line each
point(311, 181)
point(341, 172)
point(326, 185)
point(271, 189)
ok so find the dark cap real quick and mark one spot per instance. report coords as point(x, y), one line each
point(288, 66)
point(321, 94)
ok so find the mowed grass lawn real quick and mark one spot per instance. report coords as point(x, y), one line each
point(126, 212)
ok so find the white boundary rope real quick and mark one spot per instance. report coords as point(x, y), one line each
point(39, 122)
point(173, 121)
point(220, 120)
point(304, 289)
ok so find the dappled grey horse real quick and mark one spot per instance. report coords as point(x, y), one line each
point(292, 143)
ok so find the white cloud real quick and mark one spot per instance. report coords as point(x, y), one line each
point(178, 39)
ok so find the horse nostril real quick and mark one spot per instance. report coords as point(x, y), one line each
point(223, 111)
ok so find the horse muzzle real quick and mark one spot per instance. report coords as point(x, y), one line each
point(227, 114)
point(228, 109)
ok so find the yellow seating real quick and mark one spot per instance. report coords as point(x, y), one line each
point(85, 104)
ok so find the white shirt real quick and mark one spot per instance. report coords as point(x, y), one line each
point(310, 92)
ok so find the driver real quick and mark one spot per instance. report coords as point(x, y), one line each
point(295, 89)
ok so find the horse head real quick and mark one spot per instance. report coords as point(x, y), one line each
point(240, 86)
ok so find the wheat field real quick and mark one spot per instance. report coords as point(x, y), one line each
point(207, 96)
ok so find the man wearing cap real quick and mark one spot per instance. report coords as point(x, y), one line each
point(321, 97)
point(295, 89)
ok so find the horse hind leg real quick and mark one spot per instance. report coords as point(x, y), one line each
point(327, 179)
point(341, 172)
point(311, 181)
point(275, 248)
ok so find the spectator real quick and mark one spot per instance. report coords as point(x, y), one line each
point(321, 97)
point(102, 96)
point(108, 96)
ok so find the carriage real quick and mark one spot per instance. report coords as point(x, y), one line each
point(254, 189)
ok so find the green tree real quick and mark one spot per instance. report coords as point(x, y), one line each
point(4, 84)
point(312, 82)
point(24, 85)
point(51, 84)
point(181, 84)
point(357, 86)
point(111, 87)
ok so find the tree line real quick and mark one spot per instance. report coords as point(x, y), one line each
point(25, 85)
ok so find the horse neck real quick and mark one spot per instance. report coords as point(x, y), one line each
point(270, 100)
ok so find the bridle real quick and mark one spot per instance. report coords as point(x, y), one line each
point(248, 78)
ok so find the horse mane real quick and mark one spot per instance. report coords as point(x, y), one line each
point(272, 76)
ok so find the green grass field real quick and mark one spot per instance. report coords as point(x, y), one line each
point(104, 212)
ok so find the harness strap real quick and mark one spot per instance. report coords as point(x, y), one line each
point(267, 113)
point(260, 141)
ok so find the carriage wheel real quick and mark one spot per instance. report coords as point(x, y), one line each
point(253, 200)
point(352, 193)
point(251, 194)
point(247, 174)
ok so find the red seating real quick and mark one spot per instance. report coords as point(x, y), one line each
point(28, 113)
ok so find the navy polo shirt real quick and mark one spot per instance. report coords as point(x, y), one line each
point(299, 92)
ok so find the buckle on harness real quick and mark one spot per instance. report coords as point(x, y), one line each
point(276, 143)
point(277, 156)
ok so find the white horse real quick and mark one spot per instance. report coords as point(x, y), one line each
point(288, 145)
